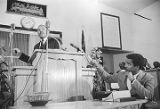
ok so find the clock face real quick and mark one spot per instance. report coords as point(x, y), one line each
point(27, 22)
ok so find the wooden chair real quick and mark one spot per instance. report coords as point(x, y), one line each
point(152, 105)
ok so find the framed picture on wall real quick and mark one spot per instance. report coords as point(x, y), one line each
point(26, 8)
point(111, 32)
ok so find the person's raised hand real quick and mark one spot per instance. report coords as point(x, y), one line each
point(130, 76)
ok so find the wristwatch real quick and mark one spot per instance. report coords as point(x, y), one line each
point(27, 22)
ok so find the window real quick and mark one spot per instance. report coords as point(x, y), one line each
point(23, 39)
point(19, 40)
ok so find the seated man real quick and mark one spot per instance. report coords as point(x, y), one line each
point(146, 64)
point(121, 66)
point(142, 83)
point(156, 64)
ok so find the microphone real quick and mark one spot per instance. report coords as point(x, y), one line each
point(74, 46)
point(16, 50)
point(47, 24)
point(12, 26)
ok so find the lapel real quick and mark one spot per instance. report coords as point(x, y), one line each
point(141, 79)
point(141, 76)
point(42, 45)
point(37, 46)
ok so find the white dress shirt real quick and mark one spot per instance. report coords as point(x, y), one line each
point(129, 82)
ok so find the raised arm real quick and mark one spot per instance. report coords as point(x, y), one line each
point(103, 73)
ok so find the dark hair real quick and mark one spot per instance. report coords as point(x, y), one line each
point(137, 59)
point(41, 26)
point(156, 64)
point(122, 65)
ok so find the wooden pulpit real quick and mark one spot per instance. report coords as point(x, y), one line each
point(65, 78)
point(60, 75)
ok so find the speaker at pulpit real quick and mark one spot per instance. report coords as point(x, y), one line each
point(63, 78)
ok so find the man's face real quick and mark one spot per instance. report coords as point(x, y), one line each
point(130, 66)
point(42, 31)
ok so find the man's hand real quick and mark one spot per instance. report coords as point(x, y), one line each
point(130, 76)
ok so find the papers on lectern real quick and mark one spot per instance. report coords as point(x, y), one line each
point(119, 96)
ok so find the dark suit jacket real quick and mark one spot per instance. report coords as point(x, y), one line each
point(142, 87)
point(52, 44)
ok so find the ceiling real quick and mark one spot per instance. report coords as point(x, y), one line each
point(129, 6)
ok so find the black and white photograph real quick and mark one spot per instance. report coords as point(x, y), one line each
point(79, 54)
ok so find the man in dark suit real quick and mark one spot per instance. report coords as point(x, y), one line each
point(53, 43)
point(141, 83)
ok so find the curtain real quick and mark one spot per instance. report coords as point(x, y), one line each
point(18, 40)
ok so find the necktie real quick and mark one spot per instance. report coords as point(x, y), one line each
point(41, 45)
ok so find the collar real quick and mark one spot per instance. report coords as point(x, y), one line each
point(44, 40)
point(135, 76)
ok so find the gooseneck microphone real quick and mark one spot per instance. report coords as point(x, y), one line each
point(47, 24)
point(13, 26)
point(74, 46)
point(16, 50)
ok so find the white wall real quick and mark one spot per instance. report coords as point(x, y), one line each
point(146, 33)
point(71, 16)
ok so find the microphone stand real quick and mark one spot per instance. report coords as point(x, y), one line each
point(11, 47)
point(46, 64)
point(11, 75)
point(11, 41)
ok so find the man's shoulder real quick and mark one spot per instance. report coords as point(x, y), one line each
point(36, 46)
point(148, 75)
point(37, 43)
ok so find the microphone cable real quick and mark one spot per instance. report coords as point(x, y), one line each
point(28, 79)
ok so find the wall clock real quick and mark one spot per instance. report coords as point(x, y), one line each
point(27, 22)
